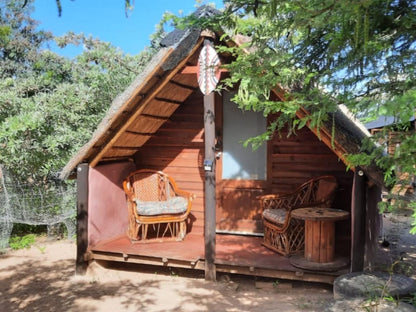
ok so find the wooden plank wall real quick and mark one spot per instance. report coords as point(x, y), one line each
point(299, 157)
point(178, 150)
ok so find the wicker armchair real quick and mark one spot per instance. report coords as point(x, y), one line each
point(284, 234)
point(154, 199)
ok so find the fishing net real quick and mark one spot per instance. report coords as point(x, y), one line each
point(48, 203)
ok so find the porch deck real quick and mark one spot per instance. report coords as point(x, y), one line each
point(234, 254)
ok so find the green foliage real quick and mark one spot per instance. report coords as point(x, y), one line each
point(128, 6)
point(21, 242)
point(318, 54)
point(20, 229)
point(411, 299)
point(50, 105)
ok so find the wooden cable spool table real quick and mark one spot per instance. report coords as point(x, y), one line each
point(319, 238)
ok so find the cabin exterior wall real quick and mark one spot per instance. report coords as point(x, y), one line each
point(107, 206)
point(297, 158)
point(301, 156)
point(177, 149)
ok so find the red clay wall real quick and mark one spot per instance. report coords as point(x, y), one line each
point(107, 207)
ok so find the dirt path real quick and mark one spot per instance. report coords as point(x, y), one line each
point(42, 279)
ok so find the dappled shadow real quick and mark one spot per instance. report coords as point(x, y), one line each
point(185, 290)
point(45, 283)
point(36, 286)
point(397, 248)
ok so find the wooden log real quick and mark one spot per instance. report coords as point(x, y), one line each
point(373, 226)
point(82, 218)
point(210, 198)
point(358, 216)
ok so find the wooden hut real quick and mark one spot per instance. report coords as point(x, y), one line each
point(391, 136)
point(163, 121)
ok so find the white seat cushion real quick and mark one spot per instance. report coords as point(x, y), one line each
point(173, 205)
point(275, 215)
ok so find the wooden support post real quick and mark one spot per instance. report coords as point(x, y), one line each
point(373, 225)
point(358, 216)
point(210, 198)
point(82, 218)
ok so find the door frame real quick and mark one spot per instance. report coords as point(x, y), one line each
point(263, 186)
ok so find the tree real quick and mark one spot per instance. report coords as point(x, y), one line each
point(323, 53)
point(50, 105)
point(128, 5)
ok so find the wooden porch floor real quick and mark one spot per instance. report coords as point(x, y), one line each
point(234, 254)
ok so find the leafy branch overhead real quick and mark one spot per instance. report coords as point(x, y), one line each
point(50, 105)
point(128, 5)
point(325, 53)
point(320, 53)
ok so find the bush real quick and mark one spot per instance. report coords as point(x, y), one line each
point(20, 242)
point(21, 229)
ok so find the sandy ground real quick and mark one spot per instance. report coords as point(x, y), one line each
point(42, 278)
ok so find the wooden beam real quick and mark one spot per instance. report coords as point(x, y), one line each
point(82, 218)
point(323, 133)
point(325, 136)
point(358, 216)
point(154, 117)
point(126, 148)
point(139, 133)
point(210, 185)
point(183, 86)
point(142, 105)
point(189, 70)
point(278, 274)
point(194, 70)
point(118, 158)
point(168, 101)
point(372, 226)
point(131, 258)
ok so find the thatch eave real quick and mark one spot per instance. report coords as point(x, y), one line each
point(164, 61)
point(176, 47)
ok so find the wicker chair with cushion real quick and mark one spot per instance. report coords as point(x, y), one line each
point(154, 199)
point(282, 233)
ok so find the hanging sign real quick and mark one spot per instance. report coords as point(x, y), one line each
point(208, 72)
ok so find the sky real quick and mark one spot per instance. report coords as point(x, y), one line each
point(106, 20)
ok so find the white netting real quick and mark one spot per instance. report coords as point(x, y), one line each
point(48, 204)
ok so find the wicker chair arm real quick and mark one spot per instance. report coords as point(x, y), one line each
point(318, 204)
point(187, 195)
point(127, 189)
point(276, 201)
point(179, 192)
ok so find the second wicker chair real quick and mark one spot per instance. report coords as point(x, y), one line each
point(284, 234)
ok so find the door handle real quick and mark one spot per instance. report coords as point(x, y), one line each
point(218, 155)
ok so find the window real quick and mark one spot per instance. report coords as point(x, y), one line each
point(241, 162)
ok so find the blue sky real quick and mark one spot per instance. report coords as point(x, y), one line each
point(106, 20)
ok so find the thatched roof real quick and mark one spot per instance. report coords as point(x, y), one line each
point(137, 113)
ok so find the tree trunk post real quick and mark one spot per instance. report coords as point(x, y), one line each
point(358, 221)
point(82, 218)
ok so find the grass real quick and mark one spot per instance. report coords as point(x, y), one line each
point(21, 242)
